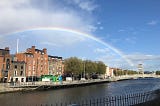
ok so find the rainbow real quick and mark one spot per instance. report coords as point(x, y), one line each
point(82, 34)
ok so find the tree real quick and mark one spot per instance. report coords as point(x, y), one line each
point(101, 67)
point(157, 72)
point(90, 67)
point(73, 65)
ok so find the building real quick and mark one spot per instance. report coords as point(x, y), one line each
point(17, 71)
point(36, 62)
point(4, 64)
point(109, 72)
point(29, 65)
point(55, 64)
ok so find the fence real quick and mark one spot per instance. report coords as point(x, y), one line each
point(122, 100)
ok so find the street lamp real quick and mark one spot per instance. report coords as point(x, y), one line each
point(84, 68)
point(83, 78)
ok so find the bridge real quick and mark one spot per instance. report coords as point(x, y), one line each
point(136, 76)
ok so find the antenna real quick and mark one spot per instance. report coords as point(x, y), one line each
point(17, 44)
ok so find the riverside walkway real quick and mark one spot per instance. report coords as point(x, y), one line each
point(8, 87)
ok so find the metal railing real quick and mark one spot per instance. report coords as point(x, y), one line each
point(121, 100)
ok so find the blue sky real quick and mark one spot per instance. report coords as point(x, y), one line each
point(134, 23)
point(129, 28)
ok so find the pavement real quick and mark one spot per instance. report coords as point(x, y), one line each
point(4, 88)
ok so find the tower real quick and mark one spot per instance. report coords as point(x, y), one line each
point(140, 69)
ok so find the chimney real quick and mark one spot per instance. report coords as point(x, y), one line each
point(33, 49)
point(6, 48)
point(45, 51)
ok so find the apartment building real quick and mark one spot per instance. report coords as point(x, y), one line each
point(36, 62)
point(55, 65)
point(4, 64)
point(109, 72)
point(28, 65)
point(17, 71)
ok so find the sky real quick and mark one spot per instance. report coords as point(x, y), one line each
point(121, 33)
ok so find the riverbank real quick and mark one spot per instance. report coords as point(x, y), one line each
point(31, 86)
point(5, 88)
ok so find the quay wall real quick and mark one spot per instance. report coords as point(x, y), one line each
point(30, 86)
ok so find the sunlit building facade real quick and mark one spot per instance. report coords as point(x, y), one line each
point(4, 64)
point(56, 66)
point(36, 62)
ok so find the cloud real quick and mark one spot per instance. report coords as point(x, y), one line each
point(143, 57)
point(153, 22)
point(101, 28)
point(25, 14)
point(101, 50)
point(150, 62)
point(87, 5)
point(111, 60)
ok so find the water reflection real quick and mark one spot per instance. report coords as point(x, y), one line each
point(79, 93)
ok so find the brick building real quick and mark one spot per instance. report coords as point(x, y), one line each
point(28, 65)
point(4, 64)
point(56, 65)
point(36, 62)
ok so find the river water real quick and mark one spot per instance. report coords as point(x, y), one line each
point(79, 93)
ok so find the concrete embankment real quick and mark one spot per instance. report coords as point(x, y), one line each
point(30, 86)
point(6, 88)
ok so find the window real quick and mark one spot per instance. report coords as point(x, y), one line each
point(7, 64)
point(15, 73)
point(3, 66)
point(22, 67)
point(29, 67)
point(22, 80)
point(15, 66)
point(33, 68)
point(34, 62)
point(21, 73)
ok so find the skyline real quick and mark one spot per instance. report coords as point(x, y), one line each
point(131, 27)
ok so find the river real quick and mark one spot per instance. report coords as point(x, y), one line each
point(79, 93)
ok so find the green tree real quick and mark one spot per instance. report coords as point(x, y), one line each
point(73, 65)
point(157, 72)
point(101, 67)
point(90, 67)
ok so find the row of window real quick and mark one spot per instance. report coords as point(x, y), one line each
point(15, 66)
point(16, 73)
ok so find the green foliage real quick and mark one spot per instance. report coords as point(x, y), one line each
point(101, 68)
point(73, 65)
point(90, 67)
point(118, 72)
point(157, 72)
point(77, 66)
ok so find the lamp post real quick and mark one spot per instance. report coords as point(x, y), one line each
point(83, 75)
point(84, 68)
